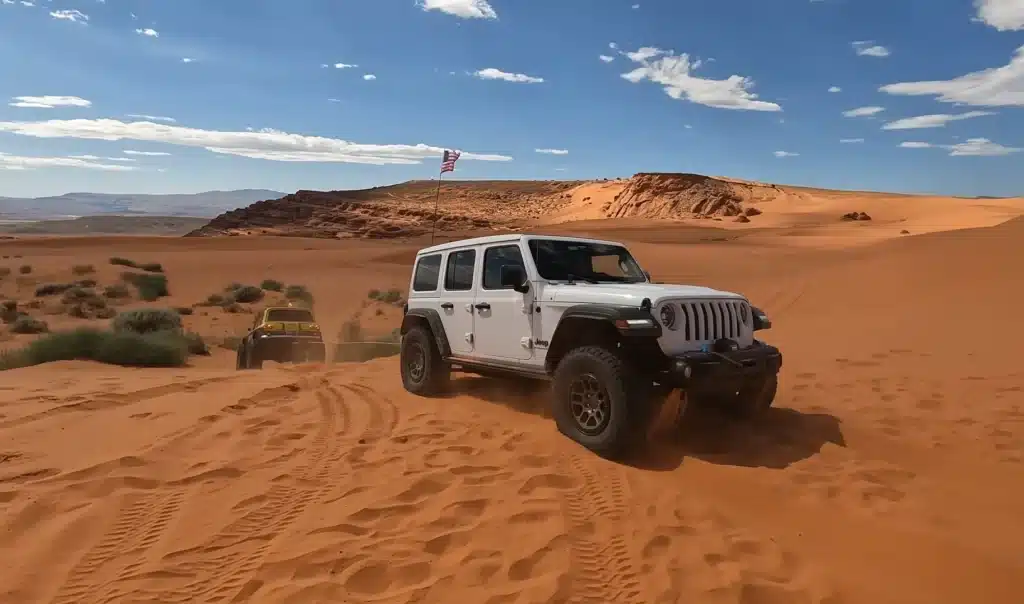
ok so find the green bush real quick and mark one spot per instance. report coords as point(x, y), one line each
point(232, 287)
point(9, 311)
point(83, 269)
point(196, 344)
point(25, 269)
point(247, 294)
point(52, 289)
point(147, 320)
point(151, 267)
point(86, 283)
point(116, 261)
point(27, 324)
point(392, 296)
point(116, 292)
point(299, 292)
point(271, 285)
point(150, 286)
point(184, 310)
point(373, 294)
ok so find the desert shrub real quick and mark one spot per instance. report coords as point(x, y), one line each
point(83, 269)
point(196, 345)
point(4, 272)
point(9, 311)
point(105, 313)
point(373, 294)
point(150, 286)
point(247, 294)
point(27, 324)
point(117, 261)
point(151, 267)
point(214, 300)
point(232, 287)
point(25, 269)
point(233, 308)
point(163, 349)
point(86, 283)
point(230, 342)
point(353, 346)
point(147, 320)
point(271, 285)
point(116, 292)
point(184, 310)
point(391, 296)
point(299, 292)
point(52, 289)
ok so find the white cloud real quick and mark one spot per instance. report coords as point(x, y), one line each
point(553, 151)
point(613, 46)
point(466, 9)
point(863, 111)
point(606, 58)
point(152, 118)
point(27, 3)
point(994, 87)
point(785, 154)
point(635, 6)
point(369, 77)
point(935, 120)
point(152, 33)
point(673, 72)
point(340, 65)
point(868, 48)
point(21, 162)
point(96, 158)
point(187, 60)
point(981, 147)
point(146, 153)
point(262, 144)
point(6, 1)
point(496, 74)
point(49, 102)
point(1004, 15)
point(75, 16)
point(835, 89)
point(851, 140)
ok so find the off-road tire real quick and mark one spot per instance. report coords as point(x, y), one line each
point(253, 360)
point(424, 372)
point(753, 400)
point(629, 400)
point(240, 364)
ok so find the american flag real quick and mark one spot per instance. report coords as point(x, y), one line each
point(448, 161)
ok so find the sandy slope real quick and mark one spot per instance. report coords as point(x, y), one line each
point(890, 471)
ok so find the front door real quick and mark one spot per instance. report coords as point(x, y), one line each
point(504, 317)
point(457, 293)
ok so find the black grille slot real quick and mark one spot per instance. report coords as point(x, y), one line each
point(711, 320)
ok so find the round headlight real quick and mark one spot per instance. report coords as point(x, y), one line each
point(668, 316)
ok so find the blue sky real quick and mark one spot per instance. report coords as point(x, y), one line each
point(338, 94)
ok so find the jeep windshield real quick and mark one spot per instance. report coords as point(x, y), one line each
point(289, 314)
point(587, 261)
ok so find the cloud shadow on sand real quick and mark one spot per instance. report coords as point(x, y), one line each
point(776, 440)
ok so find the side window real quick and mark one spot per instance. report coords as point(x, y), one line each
point(458, 274)
point(427, 271)
point(495, 261)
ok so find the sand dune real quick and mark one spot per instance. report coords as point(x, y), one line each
point(890, 471)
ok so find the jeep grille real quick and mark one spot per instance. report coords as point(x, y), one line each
point(713, 319)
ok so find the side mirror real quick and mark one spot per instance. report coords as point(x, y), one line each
point(647, 275)
point(515, 277)
point(760, 319)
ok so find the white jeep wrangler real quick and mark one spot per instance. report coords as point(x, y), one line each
point(583, 314)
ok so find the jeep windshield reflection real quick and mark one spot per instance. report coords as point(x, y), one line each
point(587, 261)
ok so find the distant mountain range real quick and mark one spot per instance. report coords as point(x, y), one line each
point(70, 205)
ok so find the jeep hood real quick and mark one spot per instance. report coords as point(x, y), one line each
point(627, 294)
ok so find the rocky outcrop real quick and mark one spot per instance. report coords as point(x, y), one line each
point(667, 196)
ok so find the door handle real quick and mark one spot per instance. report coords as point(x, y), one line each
point(447, 305)
point(482, 306)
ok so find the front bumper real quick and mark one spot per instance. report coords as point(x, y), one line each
point(730, 371)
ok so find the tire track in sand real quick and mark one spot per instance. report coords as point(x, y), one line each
point(225, 564)
point(601, 566)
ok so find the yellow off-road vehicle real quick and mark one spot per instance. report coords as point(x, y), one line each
point(286, 334)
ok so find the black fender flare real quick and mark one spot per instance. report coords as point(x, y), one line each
point(615, 316)
point(417, 316)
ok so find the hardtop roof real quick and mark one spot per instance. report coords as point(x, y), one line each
point(506, 238)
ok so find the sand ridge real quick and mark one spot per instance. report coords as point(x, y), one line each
point(889, 471)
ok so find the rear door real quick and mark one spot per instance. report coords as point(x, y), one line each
point(503, 321)
point(456, 299)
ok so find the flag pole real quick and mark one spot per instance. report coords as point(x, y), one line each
point(437, 197)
